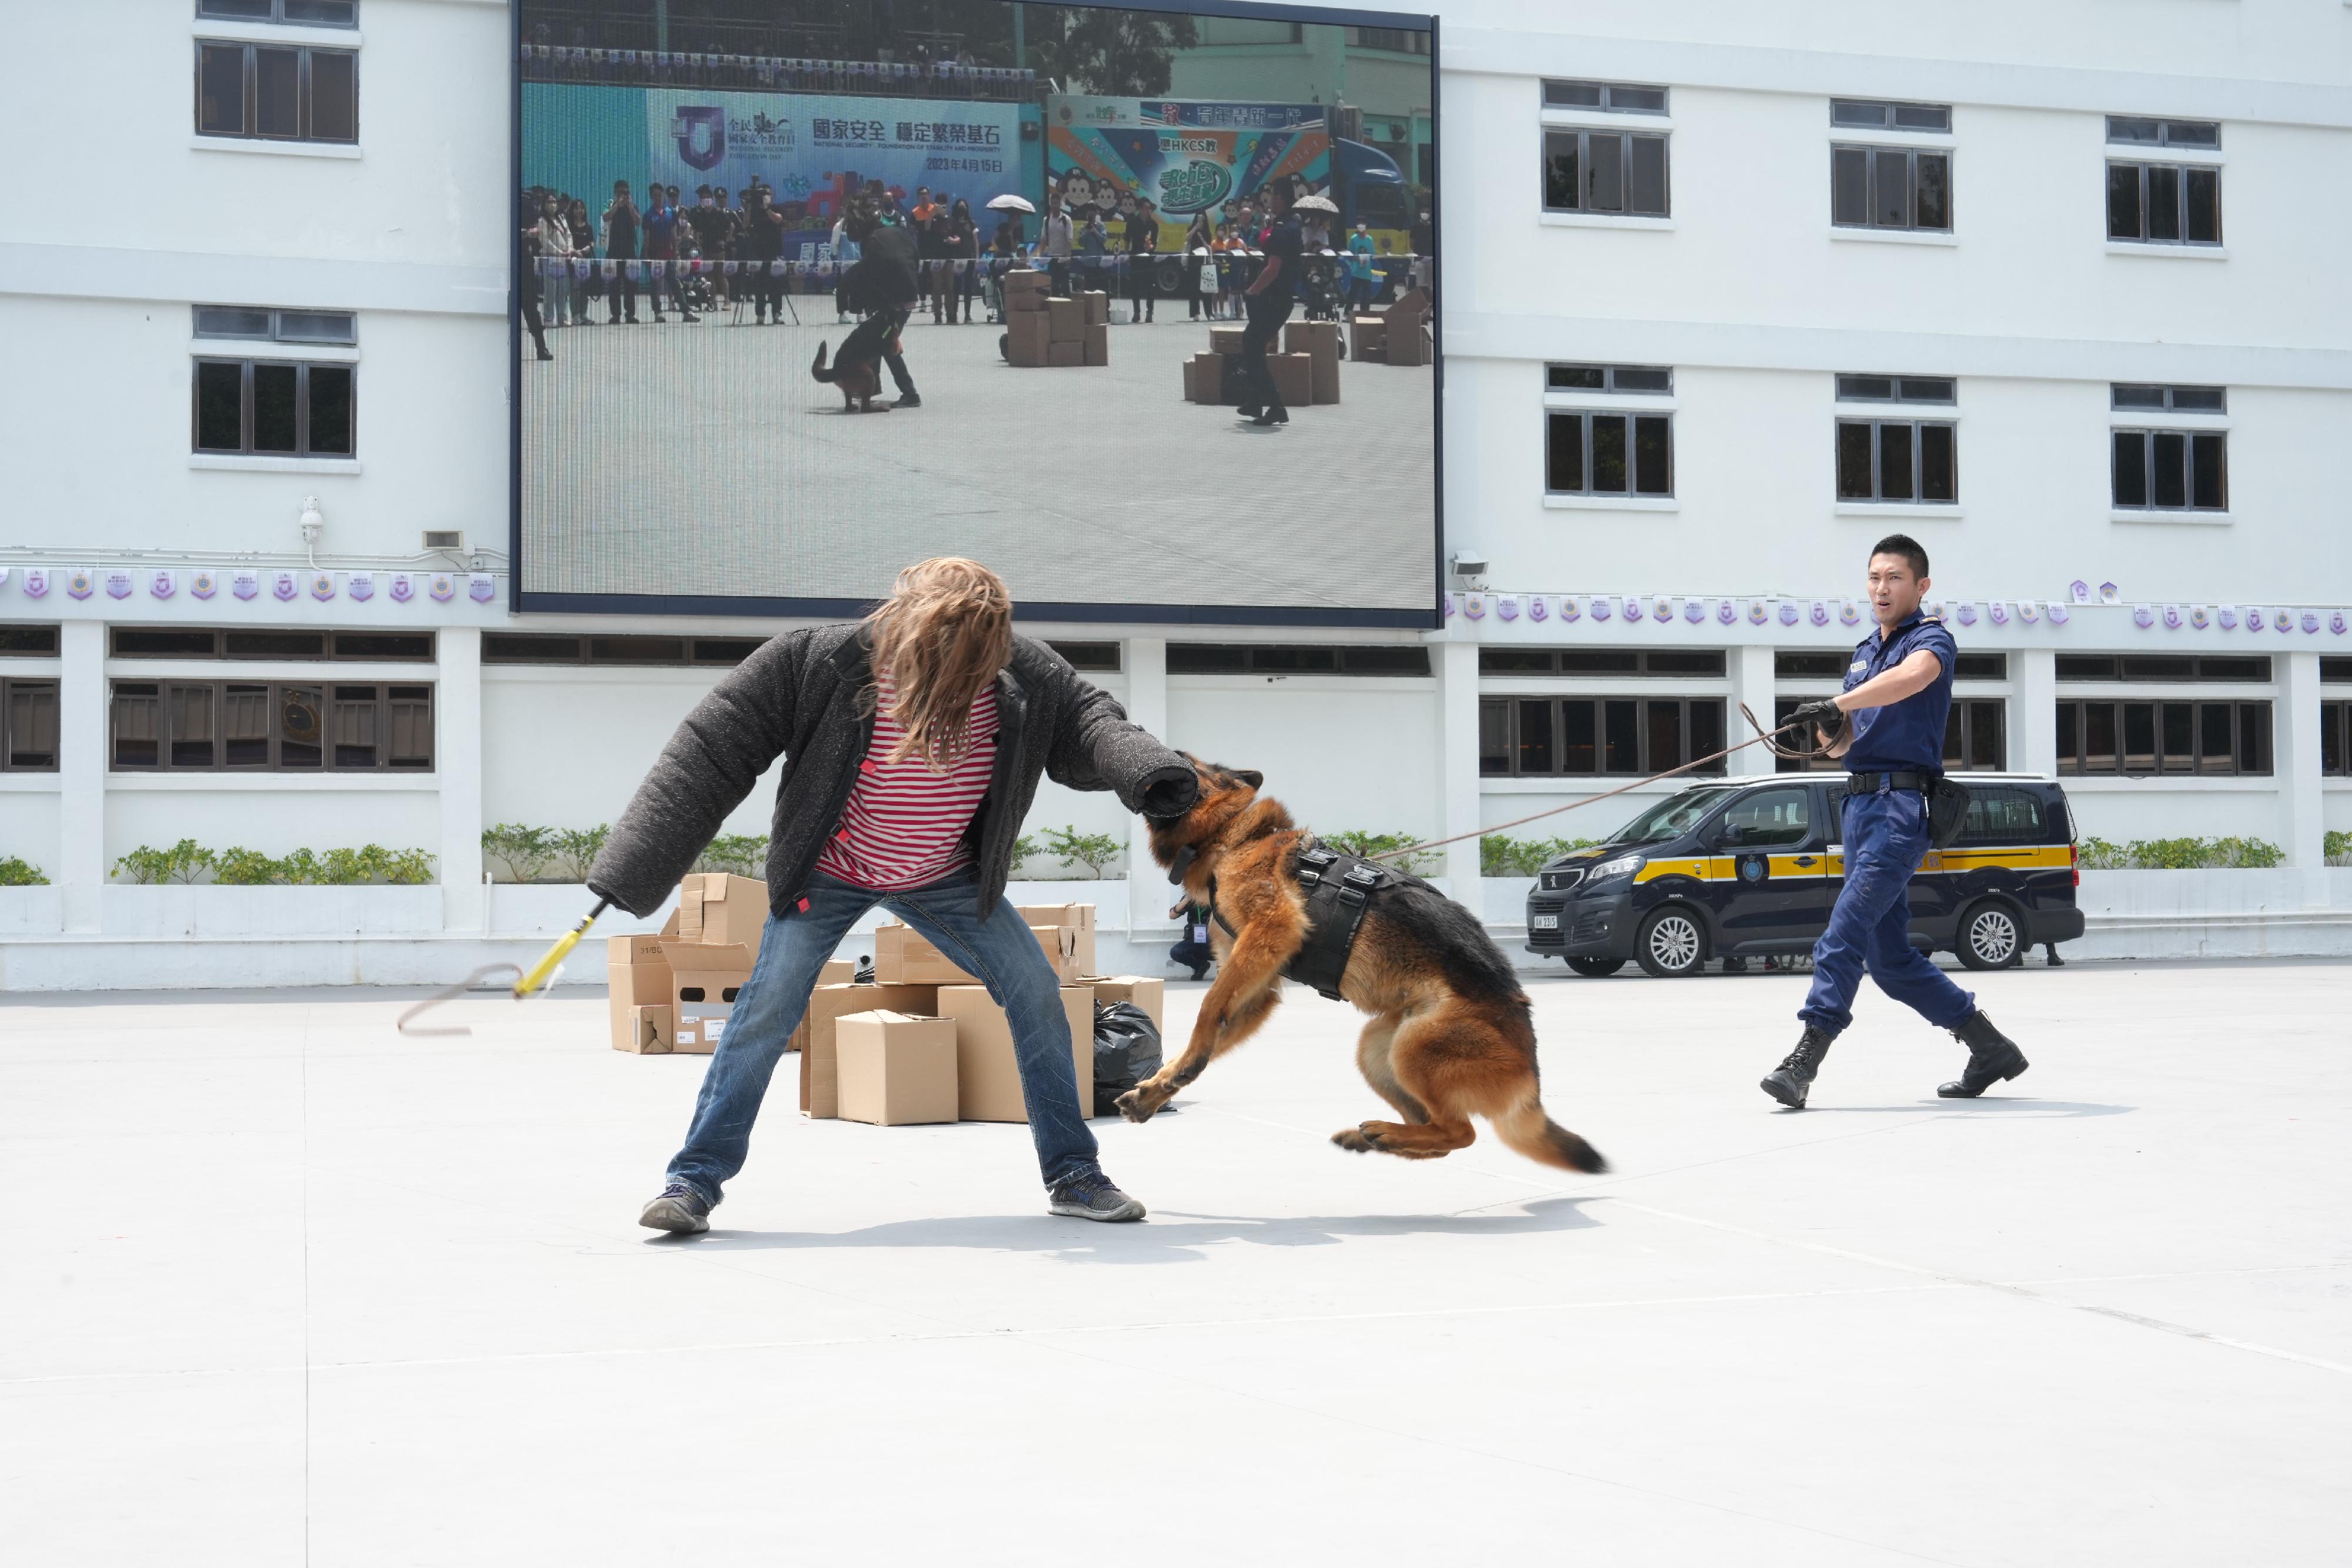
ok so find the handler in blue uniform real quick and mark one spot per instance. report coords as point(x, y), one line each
point(1899, 694)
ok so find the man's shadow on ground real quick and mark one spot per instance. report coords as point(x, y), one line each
point(1168, 1237)
point(2015, 1108)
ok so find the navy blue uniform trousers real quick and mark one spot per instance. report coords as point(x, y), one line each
point(1885, 838)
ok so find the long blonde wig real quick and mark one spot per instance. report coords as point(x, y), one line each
point(943, 634)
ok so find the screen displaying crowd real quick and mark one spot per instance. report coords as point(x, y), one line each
point(1148, 298)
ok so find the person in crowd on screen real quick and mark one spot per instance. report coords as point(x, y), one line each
point(1424, 251)
point(708, 221)
point(846, 253)
point(554, 250)
point(1003, 245)
point(929, 219)
point(961, 239)
point(1093, 244)
point(915, 707)
point(1142, 245)
point(621, 239)
point(763, 245)
point(583, 246)
point(1272, 293)
point(527, 255)
point(1199, 265)
point(661, 246)
point(886, 282)
point(1361, 248)
point(1055, 241)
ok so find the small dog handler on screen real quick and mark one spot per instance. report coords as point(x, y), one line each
point(912, 742)
point(1899, 691)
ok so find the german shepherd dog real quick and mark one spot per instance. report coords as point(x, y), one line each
point(1450, 1033)
point(857, 373)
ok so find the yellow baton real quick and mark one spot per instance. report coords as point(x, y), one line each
point(541, 972)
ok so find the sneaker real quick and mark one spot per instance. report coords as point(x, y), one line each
point(1088, 1196)
point(679, 1209)
point(907, 400)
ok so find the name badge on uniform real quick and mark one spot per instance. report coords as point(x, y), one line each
point(1857, 667)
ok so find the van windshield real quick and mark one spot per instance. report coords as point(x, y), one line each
point(1672, 817)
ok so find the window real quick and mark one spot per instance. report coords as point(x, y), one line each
point(2335, 723)
point(276, 92)
point(1597, 453)
point(540, 648)
point(1973, 739)
point(2172, 470)
point(1890, 188)
point(2163, 204)
point(1633, 380)
point(1607, 171)
point(271, 726)
point(1982, 667)
point(2332, 671)
point(1599, 662)
point(1396, 41)
point(204, 642)
point(1552, 736)
point(1897, 389)
point(2176, 736)
point(1878, 116)
point(1769, 819)
point(2163, 667)
point(1615, 98)
point(1998, 816)
point(273, 408)
point(262, 324)
point(1302, 659)
point(1094, 657)
point(306, 13)
point(28, 642)
point(1897, 460)
point(28, 727)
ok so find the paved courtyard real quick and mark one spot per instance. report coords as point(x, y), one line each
point(284, 1286)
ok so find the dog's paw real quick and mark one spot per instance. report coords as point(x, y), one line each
point(1354, 1140)
point(1137, 1104)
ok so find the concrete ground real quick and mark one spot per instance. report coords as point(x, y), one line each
point(705, 460)
point(283, 1286)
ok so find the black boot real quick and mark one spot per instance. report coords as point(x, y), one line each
point(1992, 1057)
point(1793, 1079)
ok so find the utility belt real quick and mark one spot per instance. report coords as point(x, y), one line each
point(1947, 799)
point(1338, 889)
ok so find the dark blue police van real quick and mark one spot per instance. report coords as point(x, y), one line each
point(1750, 867)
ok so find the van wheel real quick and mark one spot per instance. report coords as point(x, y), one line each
point(1989, 936)
point(1596, 968)
point(1670, 944)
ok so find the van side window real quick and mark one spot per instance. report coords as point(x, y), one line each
point(2002, 817)
point(1767, 817)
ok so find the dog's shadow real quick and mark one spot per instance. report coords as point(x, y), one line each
point(1169, 1237)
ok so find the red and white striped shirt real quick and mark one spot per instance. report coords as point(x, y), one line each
point(904, 825)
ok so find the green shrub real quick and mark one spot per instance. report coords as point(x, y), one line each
point(1500, 854)
point(1099, 853)
point(182, 862)
point(2182, 854)
point(1354, 843)
point(14, 873)
point(575, 849)
point(404, 868)
point(737, 854)
point(1024, 848)
point(2339, 849)
point(239, 867)
point(523, 851)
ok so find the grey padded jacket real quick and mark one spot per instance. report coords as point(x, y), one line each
point(798, 697)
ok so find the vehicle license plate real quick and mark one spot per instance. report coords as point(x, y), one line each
point(1543, 922)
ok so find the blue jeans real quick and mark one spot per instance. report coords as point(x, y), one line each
point(769, 1007)
point(1885, 838)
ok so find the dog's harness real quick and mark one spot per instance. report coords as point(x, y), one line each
point(1338, 889)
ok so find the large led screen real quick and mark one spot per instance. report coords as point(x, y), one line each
point(1137, 306)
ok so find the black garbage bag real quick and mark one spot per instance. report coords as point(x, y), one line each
point(1126, 1049)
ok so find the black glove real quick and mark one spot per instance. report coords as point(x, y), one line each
point(1825, 713)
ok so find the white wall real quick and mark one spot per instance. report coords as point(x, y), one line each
point(1318, 742)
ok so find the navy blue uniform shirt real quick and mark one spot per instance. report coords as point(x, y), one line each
point(1908, 734)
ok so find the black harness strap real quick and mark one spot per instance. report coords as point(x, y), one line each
point(1338, 889)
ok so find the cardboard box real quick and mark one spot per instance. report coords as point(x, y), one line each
point(1311, 338)
point(719, 910)
point(1032, 303)
point(988, 1076)
point(1076, 917)
point(896, 1069)
point(1068, 319)
point(1205, 378)
point(1022, 280)
point(652, 1031)
point(1098, 306)
point(1225, 339)
point(836, 972)
point(1147, 992)
point(704, 979)
point(1065, 355)
point(903, 957)
point(1292, 378)
point(1098, 344)
point(828, 1004)
point(1322, 378)
point(1368, 339)
point(1406, 341)
point(636, 975)
point(1409, 346)
point(1026, 339)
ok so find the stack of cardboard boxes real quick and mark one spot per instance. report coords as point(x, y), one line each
point(1041, 328)
point(674, 991)
point(1306, 372)
point(1396, 336)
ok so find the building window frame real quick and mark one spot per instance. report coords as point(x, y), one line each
point(1579, 189)
point(1284, 661)
point(1505, 661)
point(2164, 174)
point(2165, 736)
point(1860, 172)
point(242, 644)
point(282, 13)
point(1570, 95)
point(2334, 726)
point(306, 726)
point(1584, 445)
point(1532, 737)
point(2169, 469)
point(307, 397)
point(212, 54)
point(27, 720)
point(1925, 451)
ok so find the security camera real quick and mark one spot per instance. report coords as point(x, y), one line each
point(1470, 570)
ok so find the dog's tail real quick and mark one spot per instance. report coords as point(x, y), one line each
point(818, 369)
point(1527, 1128)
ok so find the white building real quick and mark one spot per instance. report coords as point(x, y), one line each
point(1715, 280)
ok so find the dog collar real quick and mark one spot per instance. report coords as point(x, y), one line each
point(1185, 859)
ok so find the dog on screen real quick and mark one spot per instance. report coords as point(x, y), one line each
point(856, 374)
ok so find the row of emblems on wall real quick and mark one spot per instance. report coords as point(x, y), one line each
point(1666, 609)
point(204, 583)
